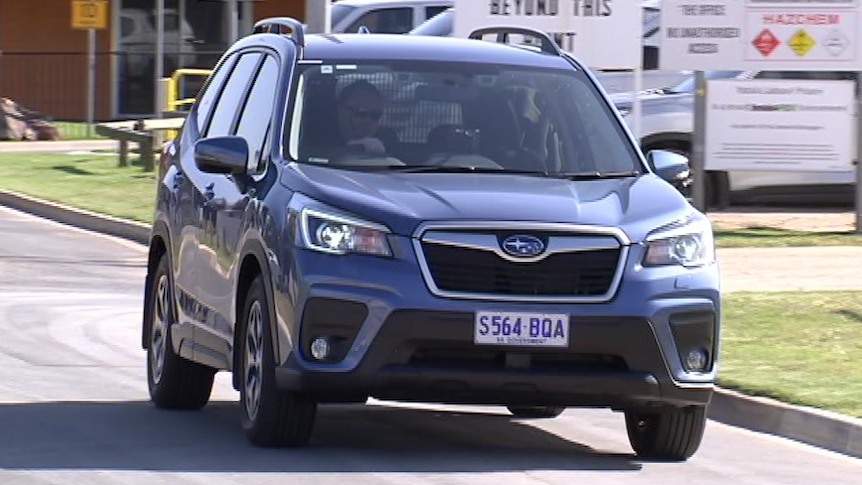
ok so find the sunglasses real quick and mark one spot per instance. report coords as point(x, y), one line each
point(371, 114)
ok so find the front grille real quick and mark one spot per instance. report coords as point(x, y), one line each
point(572, 274)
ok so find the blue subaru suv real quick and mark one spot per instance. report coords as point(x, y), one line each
point(355, 216)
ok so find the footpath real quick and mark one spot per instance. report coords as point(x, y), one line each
point(743, 269)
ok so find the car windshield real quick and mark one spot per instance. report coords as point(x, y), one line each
point(360, 114)
point(687, 85)
point(339, 12)
point(439, 25)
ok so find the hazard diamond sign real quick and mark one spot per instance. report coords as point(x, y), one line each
point(766, 42)
point(801, 42)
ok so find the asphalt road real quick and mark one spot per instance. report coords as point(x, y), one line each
point(74, 409)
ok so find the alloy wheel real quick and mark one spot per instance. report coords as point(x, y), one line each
point(159, 331)
point(253, 360)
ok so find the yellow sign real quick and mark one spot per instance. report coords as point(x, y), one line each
point(801, 42)
point(89, 14)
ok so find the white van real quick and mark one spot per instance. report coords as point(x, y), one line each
point(384, 16)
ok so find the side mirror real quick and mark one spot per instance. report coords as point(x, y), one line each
point(672, 167)
point(222, 154)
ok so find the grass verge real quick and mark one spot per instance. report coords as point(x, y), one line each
point(72, 130)
point(757, 236)
point(797, 347)
point(93, 182)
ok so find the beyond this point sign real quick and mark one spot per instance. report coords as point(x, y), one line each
point(89, 14)
point(761, 34)
point(603, 34)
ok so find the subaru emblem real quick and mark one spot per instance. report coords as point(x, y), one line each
point(523, 246)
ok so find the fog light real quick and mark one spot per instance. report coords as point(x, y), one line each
point(320, 348)
point(696, 360)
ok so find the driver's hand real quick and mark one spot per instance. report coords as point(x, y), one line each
point(369, 144)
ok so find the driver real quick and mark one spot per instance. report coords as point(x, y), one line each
point(360, 107)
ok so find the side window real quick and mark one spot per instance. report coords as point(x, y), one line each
point(433, 11)
point(127, 26)
point(385, 21)
point(229, 102)
point(780, 75)
point(257, 113)
point(208, 97)
point(813, 75)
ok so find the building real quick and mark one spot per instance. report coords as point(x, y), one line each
point(44, 60)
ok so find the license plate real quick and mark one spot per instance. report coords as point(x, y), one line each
point(521, 329)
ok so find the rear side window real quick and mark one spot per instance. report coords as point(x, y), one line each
point(256, 115)
point(229, 102)
point(209, 95)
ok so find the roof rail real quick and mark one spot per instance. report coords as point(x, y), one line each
point(276, 25)
point(549, 46)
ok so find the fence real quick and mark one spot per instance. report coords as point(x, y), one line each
point(55, 84)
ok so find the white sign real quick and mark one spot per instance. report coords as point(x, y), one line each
point(780, 125)
point(603, 34)
point(761, 34)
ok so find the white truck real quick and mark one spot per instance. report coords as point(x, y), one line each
point(667, 122)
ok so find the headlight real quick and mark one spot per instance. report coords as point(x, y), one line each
point(330, 233)
point(688, 245)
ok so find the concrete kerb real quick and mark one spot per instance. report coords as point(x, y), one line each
point(811, 426)
point(133, 231)
point(824, 429)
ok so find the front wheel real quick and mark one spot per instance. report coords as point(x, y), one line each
point(672, 435)
point(270, 417)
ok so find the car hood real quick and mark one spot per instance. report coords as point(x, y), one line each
point(402, 201)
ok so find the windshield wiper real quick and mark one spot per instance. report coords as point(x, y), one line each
point(596, 175)
point(457, 169)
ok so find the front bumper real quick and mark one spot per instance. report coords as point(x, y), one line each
point(428, 356)
point(400, 342)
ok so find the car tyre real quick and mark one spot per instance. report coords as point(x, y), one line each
point(539, 412)
point(174, 382)
point(671, 435)
point(270, 417)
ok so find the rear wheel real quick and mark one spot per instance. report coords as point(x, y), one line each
point(672, 435)
point(174, 382)
point(270, 417)
point(536, 411)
